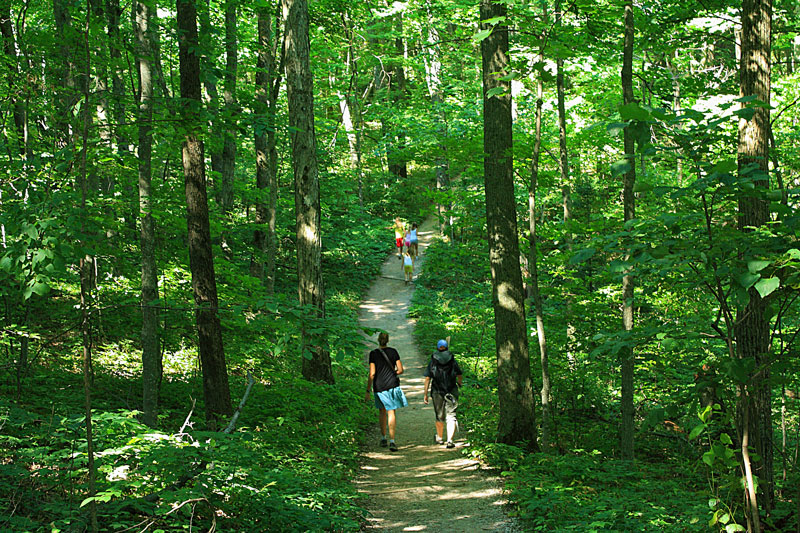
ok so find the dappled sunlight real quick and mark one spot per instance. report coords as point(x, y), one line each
point(422, 486)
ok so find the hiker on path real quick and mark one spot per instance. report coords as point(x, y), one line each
point(414, 240)
point(399, 234)
point(384, 367)
point(443, 379)
point(408, 265)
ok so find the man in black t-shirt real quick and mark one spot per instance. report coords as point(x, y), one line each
point(384, 367)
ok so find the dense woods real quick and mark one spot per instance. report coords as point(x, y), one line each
point(194, 197)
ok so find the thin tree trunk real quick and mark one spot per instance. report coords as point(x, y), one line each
point(534, 292)
point(228, 155)
point(566, 192)
point(151, 354)
point(515, 390)
point(629, 204)
point(212, 355)
point(299, 89)
point(85, 267)
point(433, 72)
point(14, 90)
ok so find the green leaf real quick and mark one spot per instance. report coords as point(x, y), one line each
point(724, 167)
point(496, 91)
point(765, 287)
point(757, 266)
point(746, 113)
point(794, 253)
point(697, 430)
point(724, 438)
point(620, 167)
point(708, 458)
point(582, 255)
point(747, 279)
point(730, 528)
point(615, 128)
point(634, 111)
point(481, 35)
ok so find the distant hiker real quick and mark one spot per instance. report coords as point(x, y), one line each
point(407, 240)
point(408, 265)
point(384, 367)
point(399, 230)
point(414, 240)
point(443, 378)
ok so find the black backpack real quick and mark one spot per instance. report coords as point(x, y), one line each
point(443, 375)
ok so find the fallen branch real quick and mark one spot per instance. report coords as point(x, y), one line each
point(235, 417)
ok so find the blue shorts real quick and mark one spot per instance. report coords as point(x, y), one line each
point(390, 399)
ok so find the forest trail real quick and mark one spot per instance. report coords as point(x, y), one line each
point(423, 486)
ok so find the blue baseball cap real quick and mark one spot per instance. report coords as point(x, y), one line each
point(441, 345)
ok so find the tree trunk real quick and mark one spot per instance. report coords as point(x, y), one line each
point(228, 155)
point(515, 391)
point(566, 191)
point(300, 93)
point(212, 356)
point(14, 90)
point(268, 80)
point(151, 352)
point(533, 288)
point(433, 72)
point(85, 267)
point(628, 203)
point(754, 415)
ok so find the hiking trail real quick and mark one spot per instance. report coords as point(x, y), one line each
point(423, 486)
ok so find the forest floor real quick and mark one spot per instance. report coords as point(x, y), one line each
point(423, 486)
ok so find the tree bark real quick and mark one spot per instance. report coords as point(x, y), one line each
point(268, 80)
point(14, 90)
point(752, 330)
point(628, 202)
point(230, 108)
point(212, 356)
point(144, 14)
point(300, 93)
point(517, 417)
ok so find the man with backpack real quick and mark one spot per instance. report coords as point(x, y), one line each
point(442, 379)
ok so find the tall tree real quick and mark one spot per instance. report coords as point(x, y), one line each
point(268, 82)
point(230, 105)
point(300, 93)
point(433, 77)
point(151, 354)
point(533, 290)
point(14, 87)
point(754, 409)
point(515, 390)
point(212, 355)
point(628, 205)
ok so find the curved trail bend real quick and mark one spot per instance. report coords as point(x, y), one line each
point(423, 486)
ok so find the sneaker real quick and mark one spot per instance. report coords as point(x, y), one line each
point(392, 447)
point(384, 443)
point(450, 444)
point(438, 440)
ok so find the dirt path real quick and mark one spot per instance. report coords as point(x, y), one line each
point(423, 486)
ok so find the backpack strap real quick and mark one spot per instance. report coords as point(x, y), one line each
point(388, 362)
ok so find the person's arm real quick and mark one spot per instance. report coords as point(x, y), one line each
point(427, 387)
point(369, 381)
point(398, 367)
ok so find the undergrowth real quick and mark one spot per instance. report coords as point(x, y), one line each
point(579, 484)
